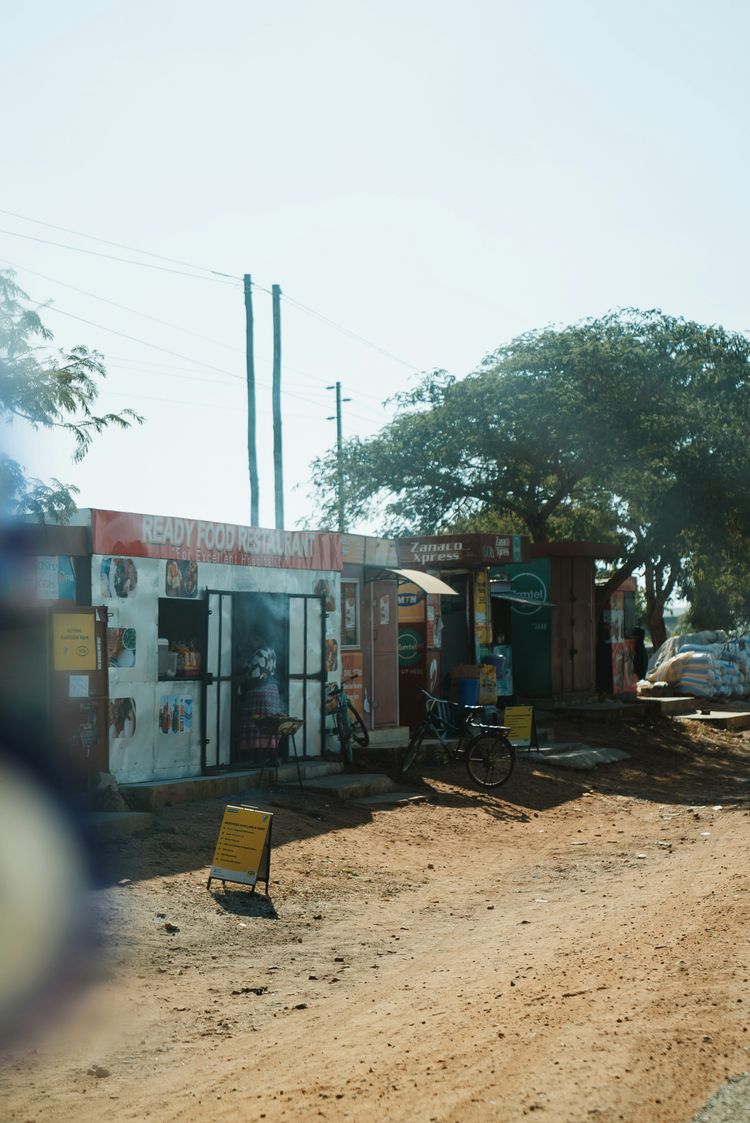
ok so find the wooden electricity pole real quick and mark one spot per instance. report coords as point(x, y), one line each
point(252, 451)
point(278, 463)
point(339, 454)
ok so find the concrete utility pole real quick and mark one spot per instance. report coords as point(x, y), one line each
point(339, 454)
point(252, 451)
point(278, 461)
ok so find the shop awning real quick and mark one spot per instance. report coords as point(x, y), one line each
point(424, 581)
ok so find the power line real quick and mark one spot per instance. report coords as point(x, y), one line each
point(183, 376)
point(157, 320)
point(122, 307)
point(143, 342)
point(348, 332)
point(118, 245)
point(112, 257)
point(166, 351)
point(215, 275)
point(126, 366)
point(188, 402)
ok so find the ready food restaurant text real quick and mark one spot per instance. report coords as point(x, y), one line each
point(160, 536)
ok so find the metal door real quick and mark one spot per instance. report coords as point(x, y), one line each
point(308, 669)
point(384, 623)
point(216, 695)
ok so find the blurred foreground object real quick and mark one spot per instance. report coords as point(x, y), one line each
point(44, 877)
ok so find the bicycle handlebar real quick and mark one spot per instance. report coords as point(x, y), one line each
point(433, 698)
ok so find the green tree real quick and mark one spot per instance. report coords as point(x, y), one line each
point(620, 428)
point(48, 390)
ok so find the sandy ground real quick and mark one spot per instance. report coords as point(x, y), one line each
point(572, 949)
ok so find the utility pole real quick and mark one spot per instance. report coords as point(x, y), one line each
point(339, 454)
point(278, 465)
point(252, 451)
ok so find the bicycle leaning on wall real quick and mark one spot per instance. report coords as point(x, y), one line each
point(348, 726)
point(486, 750)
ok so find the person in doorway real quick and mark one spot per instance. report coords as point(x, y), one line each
point(259, 698)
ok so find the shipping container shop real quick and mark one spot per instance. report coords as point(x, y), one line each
point(210, 628)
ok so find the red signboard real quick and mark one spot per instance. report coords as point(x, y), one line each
point(161, 536)
point(471, 549)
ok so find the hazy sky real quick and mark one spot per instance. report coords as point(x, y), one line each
point(434, 177)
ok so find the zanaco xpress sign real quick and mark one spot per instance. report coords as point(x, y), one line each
point(161, 536)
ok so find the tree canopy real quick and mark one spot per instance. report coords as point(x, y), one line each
point(48, 390)
point(627, 428)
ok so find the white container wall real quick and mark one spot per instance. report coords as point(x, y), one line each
point(156, 726)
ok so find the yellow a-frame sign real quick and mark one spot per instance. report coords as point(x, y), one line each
point(243, 848)
point(522, 725)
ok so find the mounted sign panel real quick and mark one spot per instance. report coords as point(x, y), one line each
point(504, 592)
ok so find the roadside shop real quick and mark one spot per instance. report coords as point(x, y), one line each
point(210, 626)
point(620, 653)
point(374, 590)
point(550, 618)
point(443, 640)
point(369, 628)
point(52, 643)
point(526, 610)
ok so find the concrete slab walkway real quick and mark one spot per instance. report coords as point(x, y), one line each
point(352, 785)
point(578, 757)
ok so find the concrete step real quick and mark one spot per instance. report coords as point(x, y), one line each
point(578, 757)
point(603, 711)
point(390, 738)
point(152, 795)
point(720, 719)
point(352, 785)
point(671, 706)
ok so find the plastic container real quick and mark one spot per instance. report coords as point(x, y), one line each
point(468, 691)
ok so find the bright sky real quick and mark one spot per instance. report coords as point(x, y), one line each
point(433, 177)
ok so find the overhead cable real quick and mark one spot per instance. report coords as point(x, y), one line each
point(112, 257)
point(118, 245)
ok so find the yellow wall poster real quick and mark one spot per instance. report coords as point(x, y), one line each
point(482, 613)
point(73, 641)
point(520, 720)
point(243, 847)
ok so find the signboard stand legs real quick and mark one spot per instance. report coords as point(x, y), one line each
point(243, 848)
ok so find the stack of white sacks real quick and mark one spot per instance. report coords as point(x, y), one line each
point(707, 664)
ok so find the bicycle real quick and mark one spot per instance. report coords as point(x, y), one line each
point(348, 725)
point(486, 750)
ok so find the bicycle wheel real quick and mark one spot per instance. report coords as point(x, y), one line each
point(357, 727)
point(344, 737)
point(489, 759)
point(409, 754)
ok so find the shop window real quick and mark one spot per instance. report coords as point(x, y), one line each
point(182, 638)
point(350, 614)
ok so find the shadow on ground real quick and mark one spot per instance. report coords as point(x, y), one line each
point(243, 902)
point(670, 762)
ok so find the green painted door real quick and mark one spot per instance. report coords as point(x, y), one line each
point(531, 632)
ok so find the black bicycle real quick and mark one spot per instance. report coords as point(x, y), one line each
point(488, 753)
point(347, 723)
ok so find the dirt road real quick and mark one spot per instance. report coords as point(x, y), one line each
point(562, 951)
